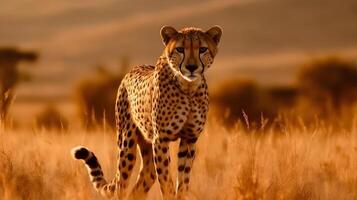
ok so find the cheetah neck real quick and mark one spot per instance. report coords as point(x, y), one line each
point(187, 87)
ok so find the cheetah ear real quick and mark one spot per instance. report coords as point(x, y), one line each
point(215, 33)
point(167, 32)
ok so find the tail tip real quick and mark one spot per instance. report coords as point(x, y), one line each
point(80, 152)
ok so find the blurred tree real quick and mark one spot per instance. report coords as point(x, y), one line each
point(96, 96)
point(328, 82)
point(10, 75)
point(282, 96)
point(51, 119)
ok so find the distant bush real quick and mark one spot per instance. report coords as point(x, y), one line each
point(51, 119)
point(282, 96)
point(231, 98)
point(324, 88)
point(96, 97)
point(260, 104)
point(328, 83)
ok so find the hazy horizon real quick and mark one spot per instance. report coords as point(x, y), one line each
point(265, 40)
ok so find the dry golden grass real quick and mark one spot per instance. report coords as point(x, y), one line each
point(296, 163)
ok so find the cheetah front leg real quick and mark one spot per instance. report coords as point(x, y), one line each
point(147, 175)
point(128, 134)
point(162, 162)
point(186, 157)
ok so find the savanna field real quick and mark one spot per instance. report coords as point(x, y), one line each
point(260, 142)
point(293, 161)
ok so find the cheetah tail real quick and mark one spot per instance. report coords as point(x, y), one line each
point(95, 171)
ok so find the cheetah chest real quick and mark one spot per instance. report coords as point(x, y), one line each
point(195, 120)
point(177, 115)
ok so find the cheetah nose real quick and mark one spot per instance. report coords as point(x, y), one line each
point(191, 67)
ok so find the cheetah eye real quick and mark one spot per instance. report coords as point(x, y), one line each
point(180, 49)
point(203, 49)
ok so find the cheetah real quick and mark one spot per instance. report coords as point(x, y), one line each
point(156, 105)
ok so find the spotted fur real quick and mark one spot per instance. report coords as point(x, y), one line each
point(156, 105)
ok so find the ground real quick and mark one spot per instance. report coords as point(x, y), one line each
point(299, 163)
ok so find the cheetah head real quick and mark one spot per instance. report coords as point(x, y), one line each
point(190, 51)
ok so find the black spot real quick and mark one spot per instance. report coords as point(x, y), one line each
point(130, 167)
point(130, 157)
point(125, 175)
point(166, 162)
point(159, 171)
point(152, 176)
point(81, 153)
point(121, 153)
point(187, 169)
point(181, 168)
point(131, 143)
point(193, 140)
point(92, 162)
point(182, 154)
point(186, 180)
point(164, 150)
point(123, 163)
point(96, 173)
